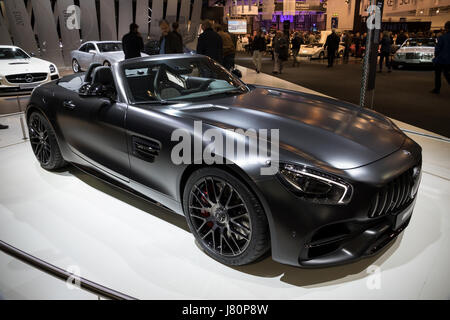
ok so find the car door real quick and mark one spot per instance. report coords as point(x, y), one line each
point(94, 129)
point(86, 57)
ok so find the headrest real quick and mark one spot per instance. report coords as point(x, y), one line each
point(88, 76)
point(103, 75)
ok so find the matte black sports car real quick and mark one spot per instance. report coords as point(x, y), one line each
point(346, 178)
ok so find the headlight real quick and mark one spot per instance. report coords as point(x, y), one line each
point(400, 55)
point(315, 186)
point(52, 68)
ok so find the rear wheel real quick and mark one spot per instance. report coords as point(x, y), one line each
point(43, 142)
point(75, 66)
point(225, 217)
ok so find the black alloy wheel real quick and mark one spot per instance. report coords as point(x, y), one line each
point(43, 142)
point(225, 217)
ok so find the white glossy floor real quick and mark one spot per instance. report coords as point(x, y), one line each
point(73, 220)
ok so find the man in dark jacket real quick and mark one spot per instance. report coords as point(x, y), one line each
point(401, 37)
point(296, 42)
point(169, 41)
point(210, 43)
point(385, 51)
point(442, 59)
point(259, 46)
point(331, 45)
point(132, 43)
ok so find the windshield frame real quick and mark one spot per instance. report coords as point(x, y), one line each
point(405, 44)
point(100, 44)
point(239, 85)
point(27, 56)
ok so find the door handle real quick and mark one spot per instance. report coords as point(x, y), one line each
point(69, 104)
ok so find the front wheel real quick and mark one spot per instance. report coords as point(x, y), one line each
point(75, 66)
point(43, 142)
point(225, 217)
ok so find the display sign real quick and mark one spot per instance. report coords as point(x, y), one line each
point(237, 26)
point(244, 10)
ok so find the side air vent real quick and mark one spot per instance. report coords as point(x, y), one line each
point(145, 149)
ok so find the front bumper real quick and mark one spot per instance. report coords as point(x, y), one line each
point(425, 62)
point(306, 234)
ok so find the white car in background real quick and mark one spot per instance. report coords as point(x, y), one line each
point(103, 52)
point(316, 50)
point(415, 51)
point(20, 71)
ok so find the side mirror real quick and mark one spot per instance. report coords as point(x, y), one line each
point(97, 90)
point(92, 51)
point(32, 54)
point(237, 73)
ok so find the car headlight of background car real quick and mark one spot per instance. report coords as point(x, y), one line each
point(52, 68)
point(315, 186)
point(400, 55)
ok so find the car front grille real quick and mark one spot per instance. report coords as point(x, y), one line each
point(396, 195)
point(413, 55)
point(26, 77)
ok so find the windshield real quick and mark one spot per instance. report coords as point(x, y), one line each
point(420, 43)
point(179, 79)
point(109, 46)
point(12, 53)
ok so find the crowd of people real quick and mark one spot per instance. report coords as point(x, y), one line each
point(282, 45)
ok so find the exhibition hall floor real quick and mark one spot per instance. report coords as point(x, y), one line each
point(111, 237)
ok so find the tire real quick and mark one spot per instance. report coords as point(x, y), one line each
point(76, 66)
point(43, 142)
point(230, 226)
point(106, 64)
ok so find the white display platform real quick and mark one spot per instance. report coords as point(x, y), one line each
point(72, 220)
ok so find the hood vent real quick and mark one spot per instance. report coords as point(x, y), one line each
point(12, 63)
point(203, 108)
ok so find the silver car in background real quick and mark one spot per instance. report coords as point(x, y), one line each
point(415, 51)
point(103, 52)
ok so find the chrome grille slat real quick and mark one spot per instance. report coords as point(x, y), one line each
point(393, 196)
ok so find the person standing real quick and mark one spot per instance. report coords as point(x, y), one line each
point(229, 50)
point(442, 59)
point(347, 45)
point(331, 45)
point(169, 41)
point(296, 43)
point(385, 51)
point(357, 42)
point(259, 46)
point(132, 43)
point(280, 49)
point(400, 38)
point(175, 27)
point(210, 43)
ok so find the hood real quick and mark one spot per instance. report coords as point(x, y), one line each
point(114, 55)
point(335, 133)
point(416, 49)
point(117, 55)
point(15, 66)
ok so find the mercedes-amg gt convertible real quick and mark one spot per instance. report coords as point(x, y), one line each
point(345, 179)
